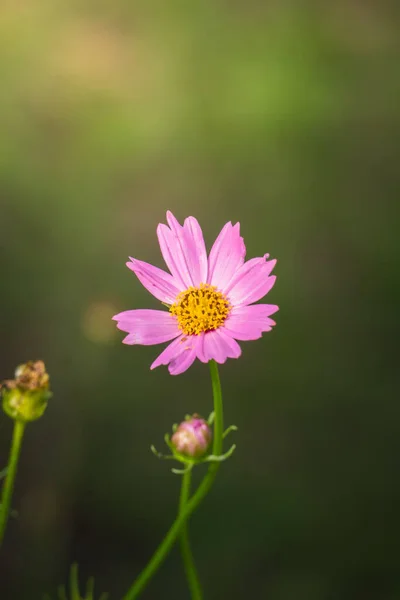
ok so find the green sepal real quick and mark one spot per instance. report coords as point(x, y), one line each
point(188, 468)
point(221, 457)
point(160, 455)
point(25, 405)
point(227, 431)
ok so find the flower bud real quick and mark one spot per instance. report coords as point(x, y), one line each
point(25, 397)
point(192, 437)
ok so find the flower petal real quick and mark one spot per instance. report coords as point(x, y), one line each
point(190, 250)
point(256, 313)
point(171, 352)
point(196, 251)
point(183, 250)
point(147, 327)
point(226, 256)
point(251, 282)
point(185, 359)
point(172, 254)
point(217, 345)
point(249, 322)
point(159, 283)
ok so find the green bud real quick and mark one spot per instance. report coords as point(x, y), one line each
point(25, 398)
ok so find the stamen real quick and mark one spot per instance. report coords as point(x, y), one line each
point(200, 309)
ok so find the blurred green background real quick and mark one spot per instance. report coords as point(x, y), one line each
point(281, 115)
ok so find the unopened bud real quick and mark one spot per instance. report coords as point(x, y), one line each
point(25, 397)
point(192, 437)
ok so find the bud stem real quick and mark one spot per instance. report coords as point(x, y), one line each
point(187, 556)
point(8, 486)
point(164, 548)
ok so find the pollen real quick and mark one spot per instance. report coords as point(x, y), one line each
point(200, 309)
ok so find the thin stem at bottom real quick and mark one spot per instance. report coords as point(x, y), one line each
point(19, 428)
point(187, 556)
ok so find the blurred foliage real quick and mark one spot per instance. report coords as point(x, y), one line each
point(74, 591)
point(284, 116)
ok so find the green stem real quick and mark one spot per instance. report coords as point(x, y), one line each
point(19, 428)
point(187, 556)
point(162, 551)
point(218, 409)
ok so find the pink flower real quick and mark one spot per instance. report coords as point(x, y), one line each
point(210, 300)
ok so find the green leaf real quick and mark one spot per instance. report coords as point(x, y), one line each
point(74, 583)
point(89, 589)
point(62, 594)
point(74, 593)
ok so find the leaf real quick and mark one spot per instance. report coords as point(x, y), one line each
point(89, 589)
point(62, 594)
point(74, 593)
point(74, 583)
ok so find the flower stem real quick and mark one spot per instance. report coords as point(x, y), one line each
point(19, 428)
point(187, 556)
point(218, 409)
point(162, 551)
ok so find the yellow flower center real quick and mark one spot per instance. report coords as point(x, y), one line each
point(200, 309)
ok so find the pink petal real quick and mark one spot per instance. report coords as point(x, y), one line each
point(196, 251)
point(251, 282)
point(246, 268)
point(172, 254)
point(185, 359)
point(190, 250)
point(147, 327)
point(217, 345)
point(249, 322)
point(226, 256)
point(184, 251)
point(171, 352)
point(159, 283)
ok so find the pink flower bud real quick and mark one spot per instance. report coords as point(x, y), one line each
point(192, 438)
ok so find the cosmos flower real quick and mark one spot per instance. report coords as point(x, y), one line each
point(210, 300)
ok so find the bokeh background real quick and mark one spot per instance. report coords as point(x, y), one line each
point(281, 115)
